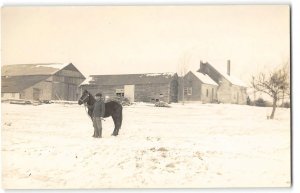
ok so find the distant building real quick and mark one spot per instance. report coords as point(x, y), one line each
point(209, 84)
point(198, 87)
point(136, 87)
point(41, 82)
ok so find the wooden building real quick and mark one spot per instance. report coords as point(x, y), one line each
point(198, 87)
point(230, 89)
point(41, 81)
point(136, 87)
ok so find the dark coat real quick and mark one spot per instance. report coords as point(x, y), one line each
point(99, 109)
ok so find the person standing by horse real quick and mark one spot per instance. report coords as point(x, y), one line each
point(98, 114)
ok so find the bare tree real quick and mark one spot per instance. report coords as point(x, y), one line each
point(183, 67)
point(276, 84)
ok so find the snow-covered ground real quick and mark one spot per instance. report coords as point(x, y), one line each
point(195, 145)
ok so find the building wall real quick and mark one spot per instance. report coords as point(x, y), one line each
point(45, 90)
point(174, 90)
point(142, 92)
point(152, 92)
point(224, 93)
point(106, 90)
point(190, 81)
point(66, 85)
point(10, 95)
point(208, 93)
point(239, 95)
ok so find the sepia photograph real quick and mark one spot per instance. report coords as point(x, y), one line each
point(146, 96)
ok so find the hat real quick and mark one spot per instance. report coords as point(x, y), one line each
point(99, 94)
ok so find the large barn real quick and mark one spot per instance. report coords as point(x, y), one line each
point(136, 87)
point(52, 81)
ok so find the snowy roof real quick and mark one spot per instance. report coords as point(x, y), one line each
point(15, 84)
point(204, 78)
point(129, 79)
point(15, 78)
point(32, 69)
point(88, 80)
point(232, 79)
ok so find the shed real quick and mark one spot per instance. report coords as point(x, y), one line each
point(198, 87)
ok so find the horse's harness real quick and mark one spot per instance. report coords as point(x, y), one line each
point(85, 104)
point(83, 100)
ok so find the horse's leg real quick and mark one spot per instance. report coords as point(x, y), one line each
point(117, 121)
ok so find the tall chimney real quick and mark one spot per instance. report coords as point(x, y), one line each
point(228, 67)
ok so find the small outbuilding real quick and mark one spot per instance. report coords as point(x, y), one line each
point(198, 87)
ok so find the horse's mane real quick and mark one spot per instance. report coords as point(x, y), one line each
point(91, 100)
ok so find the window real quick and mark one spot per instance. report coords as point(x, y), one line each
point(13, 95)
point(207, 92)
point(120, 92)
point(188, 91)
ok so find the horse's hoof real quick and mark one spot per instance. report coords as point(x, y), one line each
point(114, 134)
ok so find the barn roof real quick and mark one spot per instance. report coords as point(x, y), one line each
point(128, 79)
point(15, 84)
point(32, 69)
point(204, 78)
point(17, 77)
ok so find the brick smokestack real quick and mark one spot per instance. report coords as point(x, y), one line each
point(228, 67)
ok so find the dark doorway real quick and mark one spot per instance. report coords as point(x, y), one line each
point(36, 94)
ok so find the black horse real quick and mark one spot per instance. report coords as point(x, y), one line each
point(112, 108)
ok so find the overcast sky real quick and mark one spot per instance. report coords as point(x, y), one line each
point(142, 39)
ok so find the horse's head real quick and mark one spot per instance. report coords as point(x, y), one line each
point(84, 97)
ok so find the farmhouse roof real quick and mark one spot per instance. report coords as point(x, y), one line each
point(232, 79)
point(129, 79)
point(204, 78)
